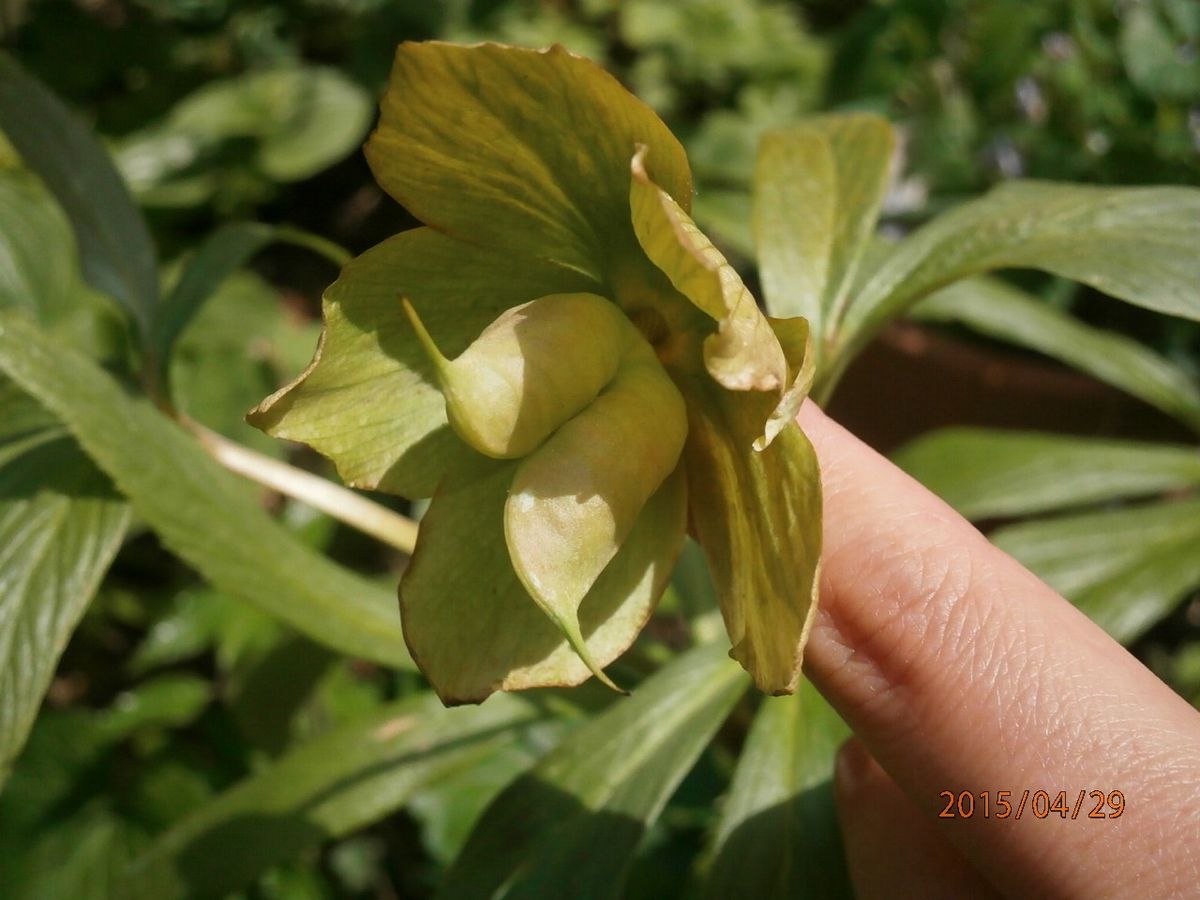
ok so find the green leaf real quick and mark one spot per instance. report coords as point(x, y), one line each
point(524, 151)
point(61, 524)
point(1125, 568)
point(287, 123)
point(241, 344)
point(570, 827)
point(778, 835)
point(757, 514)
point(993, 474)
point(32, 229)
point(116, 252)
point(1158, 62)
point(743, 354)
point(1136, 244)
point(472, 626)
point(818, 190)
point(370, 400)
point(992, 307)
point(166, 701)
point(326, 788)
point(200, 511)
point(449, 808)
point(223, 252)
point(39, 271)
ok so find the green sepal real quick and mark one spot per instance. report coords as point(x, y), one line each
point(795, 337)
point(370, 400)
point(521, 150)
point(469, 622)
point(757, 514)
point(743, 354)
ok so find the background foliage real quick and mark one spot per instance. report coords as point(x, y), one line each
point(199, 713)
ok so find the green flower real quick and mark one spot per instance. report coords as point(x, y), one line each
point(571, 370)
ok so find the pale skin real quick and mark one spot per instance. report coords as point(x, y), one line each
point(960, 670)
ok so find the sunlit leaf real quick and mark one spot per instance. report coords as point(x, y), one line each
point(474, 629)
point(116, 253)
point(757, 515)
point(1137, 244)
point(991, 474)
point(818, 189)
point(525, 151)
point(569, 828)
point(323, 789)
point(779, 835)
point(199, 510)
point(61, 524)
point(370, 400)
point(1125, 568)
point(997, 310)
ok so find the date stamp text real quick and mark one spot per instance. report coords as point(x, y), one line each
point(1038, 804)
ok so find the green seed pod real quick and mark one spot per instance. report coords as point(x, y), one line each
point(533, 368)
point(569, 385)
point(574, 500)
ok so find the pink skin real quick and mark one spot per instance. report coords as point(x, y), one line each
point(960, 670)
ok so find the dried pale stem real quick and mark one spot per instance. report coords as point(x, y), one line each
point(343, 504)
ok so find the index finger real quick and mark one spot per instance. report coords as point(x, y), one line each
point(963, 672)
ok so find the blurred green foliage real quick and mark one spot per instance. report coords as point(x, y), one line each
point(171, 691)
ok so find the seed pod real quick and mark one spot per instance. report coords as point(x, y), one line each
point(575, 499)
point(532, 369)
point(569, 385)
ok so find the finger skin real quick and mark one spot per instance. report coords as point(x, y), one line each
point(962, 671)
point(892, 849)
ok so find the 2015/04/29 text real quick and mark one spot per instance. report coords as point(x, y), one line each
point(1040, 804)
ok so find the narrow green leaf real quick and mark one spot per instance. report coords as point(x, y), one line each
point(34, 272)
point(1125, 568)
point(61, 524)
point(778, 835)
point(39, 271)
point(570, 827)
point(224, 251)
point(237, 349)
point(793, 215)
point(324, 789)
point(116, 252)
point(998, 310)
point(200, 511)
point(991, 474)
point(818, 190)
point(1136, 244)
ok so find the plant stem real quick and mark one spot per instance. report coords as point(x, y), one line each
point(343, 504)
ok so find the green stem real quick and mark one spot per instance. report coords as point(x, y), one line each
point(341, 503)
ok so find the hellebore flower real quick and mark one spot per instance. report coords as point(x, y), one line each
point(572, 371)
